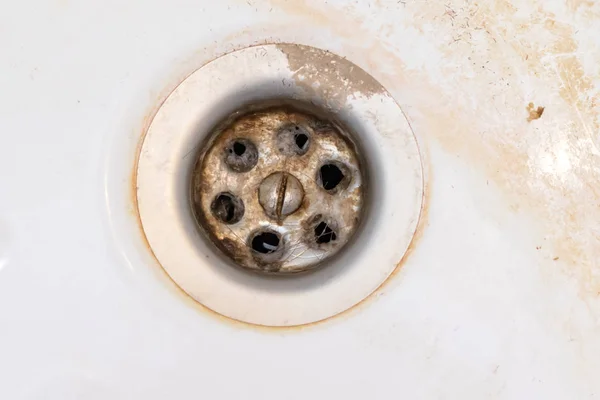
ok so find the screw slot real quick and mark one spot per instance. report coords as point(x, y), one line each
point(280, 194)
point(227, 208)
point(241, 155)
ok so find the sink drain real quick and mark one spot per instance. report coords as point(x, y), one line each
point(279, 190)
point(286, 161)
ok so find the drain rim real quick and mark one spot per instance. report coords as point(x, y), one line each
point(277, 302)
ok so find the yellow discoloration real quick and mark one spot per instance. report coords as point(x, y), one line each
point(557, 177)
point(503, 53)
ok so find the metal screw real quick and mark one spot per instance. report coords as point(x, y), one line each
point(280, 194)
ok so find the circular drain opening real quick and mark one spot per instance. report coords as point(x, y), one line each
point(288, 147)
point(293, 140)
point(289, 191)
point(301, 140)
point(324, 233)
point(227, 208)
point(332, 175)
point(241, 155)
point(266, 242)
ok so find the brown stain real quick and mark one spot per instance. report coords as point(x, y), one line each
point(212, 176)
point(557, 52)
point(574, 5)
point(516, 174)
point(317, 69)
point(549, 52)
point(497, 150)
point(534, 113)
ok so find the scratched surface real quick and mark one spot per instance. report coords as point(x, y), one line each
point(498, 296)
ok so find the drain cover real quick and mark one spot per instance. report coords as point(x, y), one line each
point(278, 190)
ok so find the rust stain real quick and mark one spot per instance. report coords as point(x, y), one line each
point(534, 113)
point(555, 53)
point(574, 5)
point(563, 204)
point(422, 224)
point(160, 271)
point(493, 138)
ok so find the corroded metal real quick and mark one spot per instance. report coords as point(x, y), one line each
point(278, 190)
point(280, 194)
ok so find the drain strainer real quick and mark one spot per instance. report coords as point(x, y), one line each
point(279, 159)
point(278, 190)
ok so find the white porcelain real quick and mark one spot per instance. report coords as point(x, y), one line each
point(497, 296)
point(168, 154)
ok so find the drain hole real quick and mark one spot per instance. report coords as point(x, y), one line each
point(324, 233)
point(301, 140)
point(265, 242)
point(331, 176)
point(293, 140)
point(227, 208)
point(239, 148)
point(241, 155)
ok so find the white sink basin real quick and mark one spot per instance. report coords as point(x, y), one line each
point(497, 296)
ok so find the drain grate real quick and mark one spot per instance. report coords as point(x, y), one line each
point(282, 160)
point(278, 190)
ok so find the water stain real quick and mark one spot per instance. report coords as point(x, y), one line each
point(574, 5)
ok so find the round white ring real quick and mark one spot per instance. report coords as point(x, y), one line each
point(264, 73)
